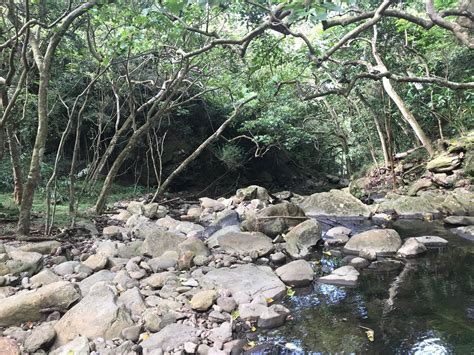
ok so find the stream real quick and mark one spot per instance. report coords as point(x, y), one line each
point(425, 308)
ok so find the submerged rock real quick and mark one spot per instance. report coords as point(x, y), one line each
point(380, 241)
point(335, 203)
point(459, 220)
point(302, 237)
point(343, 276)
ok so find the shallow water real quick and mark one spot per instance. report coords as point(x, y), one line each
point(430, 311)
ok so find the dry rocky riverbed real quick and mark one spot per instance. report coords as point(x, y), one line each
point(197, 283)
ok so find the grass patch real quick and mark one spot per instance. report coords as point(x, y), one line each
point(9, 210)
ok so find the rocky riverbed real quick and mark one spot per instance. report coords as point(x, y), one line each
point(201, 278)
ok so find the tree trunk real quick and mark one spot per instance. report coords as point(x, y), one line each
point(378, 127)
point(402, 107)
point(15, 154)
point(159, 192)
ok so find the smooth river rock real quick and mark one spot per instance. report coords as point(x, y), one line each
point(301, 238)
point(255, 280)
point(245, 242)
point(383, 242)
point(297, 273)
point(29, 306)
point(343, 276)
point(96, 315)
point(411, 248)
point(170, 337)
point(335, 203)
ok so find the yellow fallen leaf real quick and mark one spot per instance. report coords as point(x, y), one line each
point(370, 335)
point(250, 345)
point(269, 300)
point(235, 314)
point(328, 253)
point(290, 292)
point(144, 336)
point(253, 329)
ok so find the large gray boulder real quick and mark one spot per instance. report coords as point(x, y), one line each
point(159, 242)
point(252, 192)
point(380, 241)
point(297, 273)
point(411, 248)
point(30, 306)
point(170, 337)
point(21, 261)
point(96, 315)
point(300, 239)
point(335, 203)
point(46, 247)
point(255, 280)
point(245, 242)
point(101, 276)
point(343, 276)
point(271, 220)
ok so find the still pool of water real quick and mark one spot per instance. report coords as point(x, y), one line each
point(425, 308)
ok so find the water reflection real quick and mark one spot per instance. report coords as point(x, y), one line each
point(431, 311)
point(430, 344)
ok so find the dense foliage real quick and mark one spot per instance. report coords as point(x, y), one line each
point(132, 88)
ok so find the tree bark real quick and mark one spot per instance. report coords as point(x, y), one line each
point(44, 64)
point(15, 154)
point(378, 127)
point(402, 107)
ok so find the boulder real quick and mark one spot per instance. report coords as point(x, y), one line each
point(343, 276)
point(121, 216)
point(465, 232)
point(114, 232)
point(79, 345)
point(221, 334)
point(297, 273)
point(135, 207)
point(167, 260)
point(432, 241)
point(274, 316)
point(46, 247)
point(170, 337)
point(45, 277)
point(301, 238)
point(96, 315)
point(30, 306)
point(251, 311)
point(249, 278)
point(156, 244)
point(411, 248)
point(154, 210)
point(133, 301)
point(381, 241)
point(96, 262)
point(411, 206)
point(209, 203)
point(335, 203)
point(245, 242)
point(444, 163)
point(418, 185)
point(21, 262)
point(271, 220)
point(40, 338)
point(252, 192)
point(203, 300)
point(338, 231)
point(194, 245)
point(459, 220)
point(101, 276)
point(65, 268)
point(8, 346)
